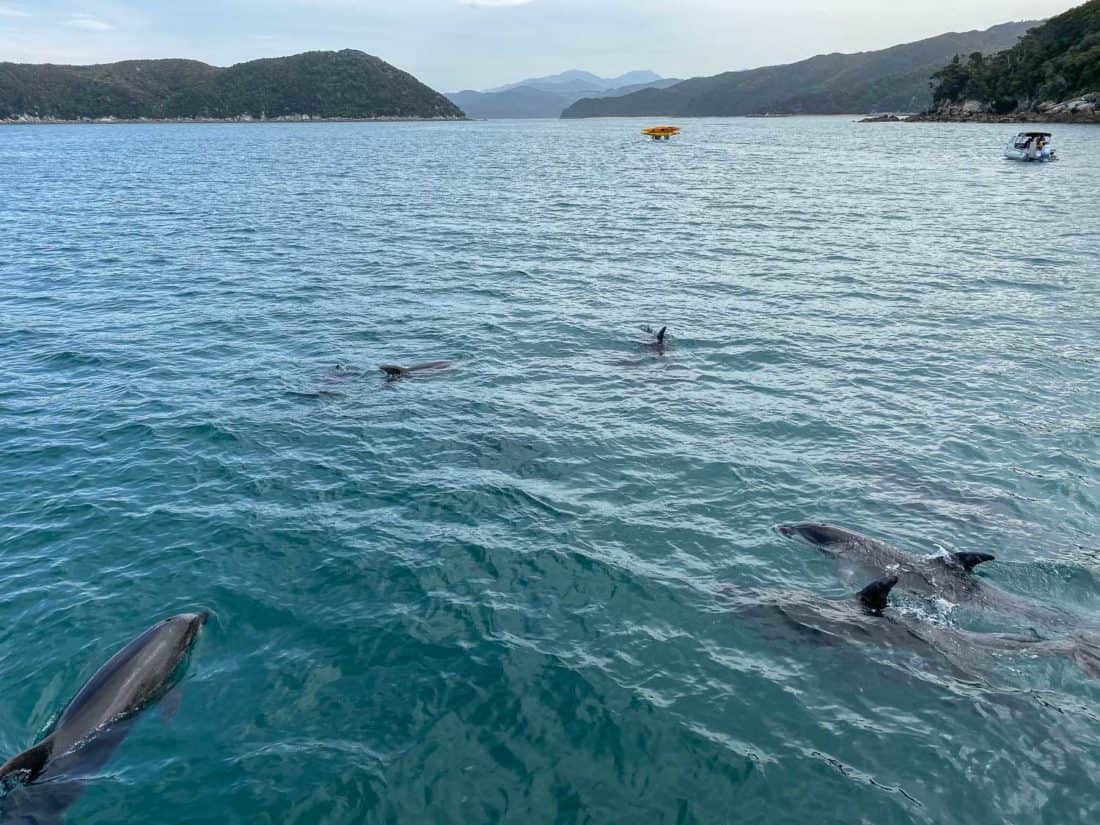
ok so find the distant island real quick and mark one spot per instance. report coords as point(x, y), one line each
point(889, 80)
point(343, 85)
point(549, 96)
point(1052, 74)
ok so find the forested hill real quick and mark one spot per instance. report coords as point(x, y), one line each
point(344, 84)
point(894, 79)
point(1057, 61)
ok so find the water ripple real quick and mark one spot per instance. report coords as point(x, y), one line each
point(493, 594)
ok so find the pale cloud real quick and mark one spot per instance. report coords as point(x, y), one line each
point(495, 3)
point(8, 11)
point(88, 24)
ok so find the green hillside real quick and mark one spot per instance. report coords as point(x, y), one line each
point(894, 79)
point(1058, 60)
point(345, 84)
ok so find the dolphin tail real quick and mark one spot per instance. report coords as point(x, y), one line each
point(1085, 653)
point(968, 561)
point(1082, 649)
point(874, 596)
point(32, 760)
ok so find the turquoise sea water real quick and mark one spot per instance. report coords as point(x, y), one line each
point(497, 594)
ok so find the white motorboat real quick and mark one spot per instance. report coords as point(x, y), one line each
point(1031, 146)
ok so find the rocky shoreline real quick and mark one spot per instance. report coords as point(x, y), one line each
point(1018, 117)
point(1083, 109)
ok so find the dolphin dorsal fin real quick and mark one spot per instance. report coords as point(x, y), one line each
point(661, 334)
point(874, 596)
point(968, 561)
point(32, 760)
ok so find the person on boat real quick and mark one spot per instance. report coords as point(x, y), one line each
point(1044, 149)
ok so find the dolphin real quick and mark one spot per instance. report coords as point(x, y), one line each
point(658, 340)
point(394, 371)
point(946, 576)
point(829, 620)
point(96, 720)
point(863, 617)
point(338, 374)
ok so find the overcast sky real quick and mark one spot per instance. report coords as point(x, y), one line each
point(457, 44)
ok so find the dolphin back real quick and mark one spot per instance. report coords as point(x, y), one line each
point(430, 365)
point(135, 676)
point(396, 371)
point(841, 542)
point(821, 534)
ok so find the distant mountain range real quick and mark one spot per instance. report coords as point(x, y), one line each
point(344, 84)
point(549, 96)
point(894, 79)
point(577, 80)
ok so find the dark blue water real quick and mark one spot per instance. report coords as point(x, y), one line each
point(497, 593)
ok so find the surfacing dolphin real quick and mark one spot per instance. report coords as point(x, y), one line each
point(96, 721)
point(864, 618)
point(658, 340)
point(947, 576)
point(322, 388)
point(394, 371)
